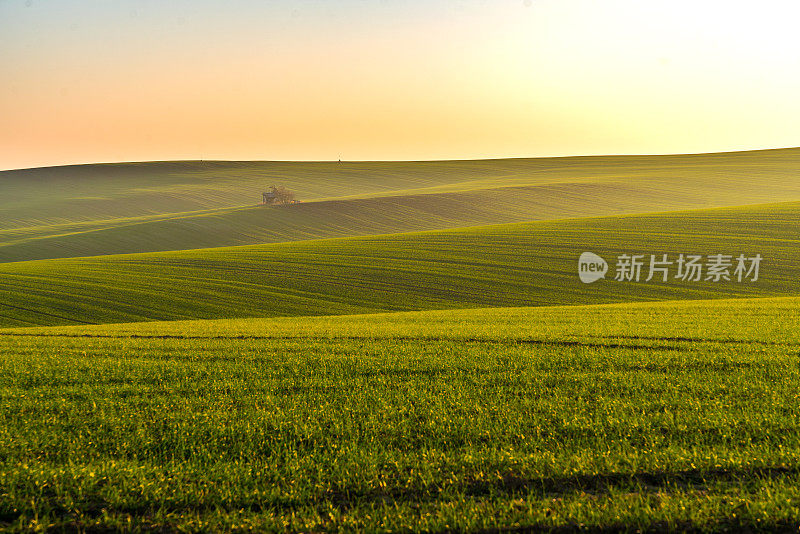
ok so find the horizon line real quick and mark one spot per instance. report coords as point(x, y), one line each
point(445, 160)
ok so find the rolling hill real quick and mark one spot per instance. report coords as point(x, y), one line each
point(385, 355)
point(738, 320)
point(527, 264)
point(126, 208)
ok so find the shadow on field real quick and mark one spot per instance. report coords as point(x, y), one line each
point(586, 487)
point(701, 340)
point(386, 339)
point(719, 526)
point(512, 486)
point(656, 482)
point(726, 525)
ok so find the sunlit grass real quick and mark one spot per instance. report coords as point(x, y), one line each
point(645, 415)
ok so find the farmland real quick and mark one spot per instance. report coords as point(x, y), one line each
point(631, 414)
point(82, 193)
point(528, 264)
point(148, 207)
point(409, 348)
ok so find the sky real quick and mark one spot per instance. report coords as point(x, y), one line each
point(143, 80)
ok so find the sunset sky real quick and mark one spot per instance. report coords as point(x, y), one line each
point(127, 80)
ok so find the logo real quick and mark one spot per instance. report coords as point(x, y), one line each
point(663, 268)
point(591, 267)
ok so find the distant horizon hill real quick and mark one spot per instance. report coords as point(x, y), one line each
point(434, 160)
point(89, 210)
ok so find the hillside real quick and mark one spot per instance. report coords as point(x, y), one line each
point(530, 264)
point(654, 416)
point(124, 208)
point(739, 320)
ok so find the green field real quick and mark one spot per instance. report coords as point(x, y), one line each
point(528, 264)
point(109, 191)
point(114, 209)
point(408, 349)
point(635, 415)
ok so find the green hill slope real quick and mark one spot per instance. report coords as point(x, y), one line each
point(742, 320)
point(415, 196)
point(651, 416)
point(507, 265)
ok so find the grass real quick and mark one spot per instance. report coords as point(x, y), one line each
point(334, 218)
point(386, 357)
point(123, 208)
point(506, 265)
point(650, 415)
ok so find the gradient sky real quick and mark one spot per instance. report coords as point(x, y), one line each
point(132, 80)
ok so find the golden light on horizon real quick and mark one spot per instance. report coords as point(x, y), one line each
point(410, 80)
